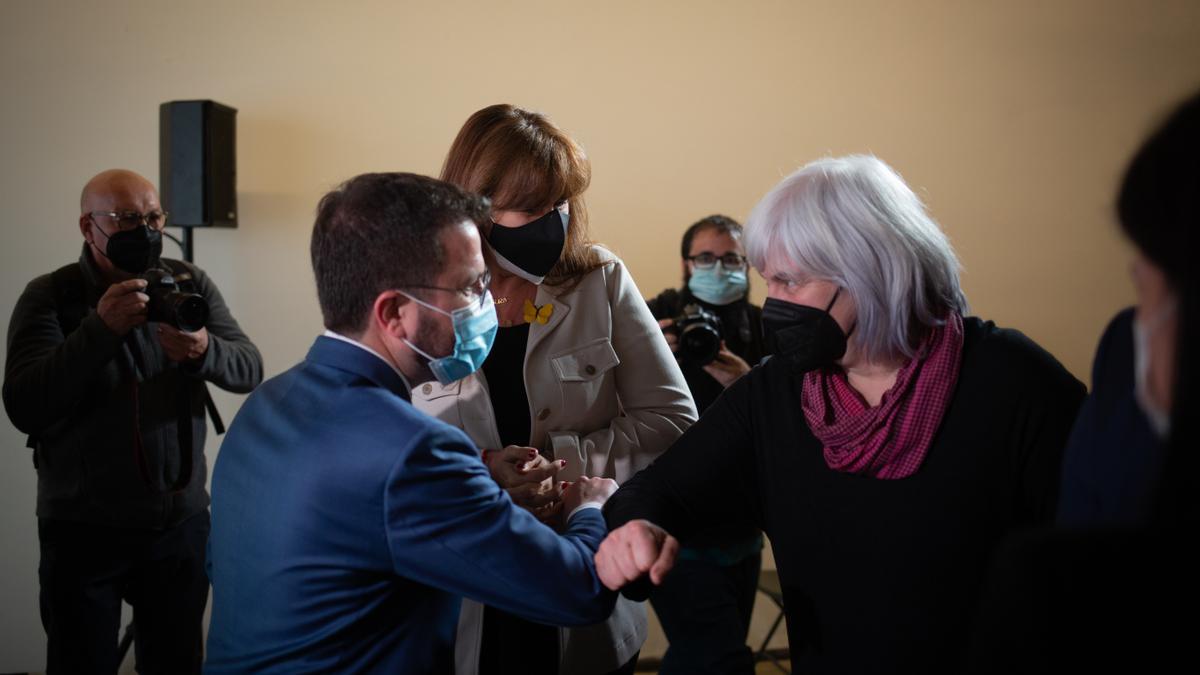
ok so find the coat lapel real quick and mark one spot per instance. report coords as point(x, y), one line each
point(538, 331)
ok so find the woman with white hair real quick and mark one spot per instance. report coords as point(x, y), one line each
point(885, 449)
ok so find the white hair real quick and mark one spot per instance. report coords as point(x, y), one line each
point(853, 221)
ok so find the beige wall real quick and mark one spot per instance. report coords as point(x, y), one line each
point(1012, 119)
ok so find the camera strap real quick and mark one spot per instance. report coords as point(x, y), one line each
point(187, 282)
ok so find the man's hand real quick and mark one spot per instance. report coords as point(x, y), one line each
point(528, 477)
point(123, 306)
point(635, 548)
point(727, 367)
point(668, 329)
point(182, 347)
point(595, 490)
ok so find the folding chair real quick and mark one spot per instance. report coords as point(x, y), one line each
point(768, 585)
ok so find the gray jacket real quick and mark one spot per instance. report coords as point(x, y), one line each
point(70, 388)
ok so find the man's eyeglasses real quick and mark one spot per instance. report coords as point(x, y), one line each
point(475, 292)
point(730, 261)
point(129, 220)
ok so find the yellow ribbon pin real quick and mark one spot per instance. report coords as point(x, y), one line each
point(538, 314)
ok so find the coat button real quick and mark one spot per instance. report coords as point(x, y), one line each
point(590, 370)
point(427, 389)
point(543, 414)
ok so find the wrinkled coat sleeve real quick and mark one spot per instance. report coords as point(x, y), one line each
point(656, 403)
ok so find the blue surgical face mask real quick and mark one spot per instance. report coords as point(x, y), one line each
point(717, 285)
point(474, 331)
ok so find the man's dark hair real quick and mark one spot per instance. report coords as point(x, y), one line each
point(380, 231)
point(723, 224)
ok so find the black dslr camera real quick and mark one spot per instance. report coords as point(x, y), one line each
point(171, 305)
point(699, 332)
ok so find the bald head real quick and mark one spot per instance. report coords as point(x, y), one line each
point(118, 190)
point(115, 190)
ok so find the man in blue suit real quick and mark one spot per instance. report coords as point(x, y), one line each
point(345, 524)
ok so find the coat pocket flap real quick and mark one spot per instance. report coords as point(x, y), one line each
point(587, 362)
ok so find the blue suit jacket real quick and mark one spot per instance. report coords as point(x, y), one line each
point(345, 526)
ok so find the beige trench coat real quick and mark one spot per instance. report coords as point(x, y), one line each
point(606, 395)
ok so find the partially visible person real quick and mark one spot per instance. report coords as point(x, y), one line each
point(885, 448)
point(114, 404)
point(705, 605)
point(1113, 588)
point(1115, 459)
point(347, 524)
point(715, 279)
point(580, 381)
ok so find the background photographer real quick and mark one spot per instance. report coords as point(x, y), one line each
point(704, 605)
point(114, 406)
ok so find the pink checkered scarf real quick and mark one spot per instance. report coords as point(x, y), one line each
point(891, 439)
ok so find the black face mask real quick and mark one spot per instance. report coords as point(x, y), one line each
point(133, 251)
point(806, 337)
point(531, 250)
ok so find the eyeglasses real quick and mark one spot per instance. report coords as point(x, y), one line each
point(730, 261)
point(475, 292)
point(128, 220)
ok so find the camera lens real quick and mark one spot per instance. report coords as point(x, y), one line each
point(699, 344)
point(170, 305)
point(190, 312)
point(699, 333)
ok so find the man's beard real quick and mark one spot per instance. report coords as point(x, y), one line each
point(431, 340)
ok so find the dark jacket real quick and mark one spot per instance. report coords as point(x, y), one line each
point(68, 383)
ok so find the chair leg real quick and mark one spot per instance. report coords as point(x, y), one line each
point(762, 651)
point(770, 634)
point(125, 644)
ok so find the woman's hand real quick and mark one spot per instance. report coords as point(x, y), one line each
point(636, 548)
point(528, 477)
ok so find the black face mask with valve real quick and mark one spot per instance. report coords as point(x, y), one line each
point(531, 250)
point(134, 251)
point(807, 338)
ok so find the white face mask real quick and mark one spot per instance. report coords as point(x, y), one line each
point(1143, 329)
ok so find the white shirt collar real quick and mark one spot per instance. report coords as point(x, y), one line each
point(356, 343)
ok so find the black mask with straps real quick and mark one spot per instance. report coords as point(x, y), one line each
point(531, 250)
point(806, 337)
point(133, 251)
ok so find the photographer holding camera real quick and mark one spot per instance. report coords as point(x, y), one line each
point(704, 605)
point(113, 398)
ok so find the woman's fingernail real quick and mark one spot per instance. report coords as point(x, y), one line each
point(562, 463)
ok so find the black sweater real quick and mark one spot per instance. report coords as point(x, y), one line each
point(878, 575)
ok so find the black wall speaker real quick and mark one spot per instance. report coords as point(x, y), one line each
point(197, 163)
